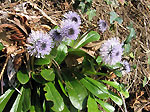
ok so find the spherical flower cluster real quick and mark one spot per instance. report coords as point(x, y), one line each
point(56, 35)
point(126, 67)
point(111, 51)
point(73, 16)
point(102, 25)
point(69, 29)
point(39, 44)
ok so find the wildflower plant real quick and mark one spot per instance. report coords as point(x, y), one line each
point(70, 29)
point(56, 35)
point(39, 44)
point(73, 16)
point(111, 51)
point(65, 77)
point(102, 25)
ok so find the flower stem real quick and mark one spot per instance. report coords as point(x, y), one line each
point(32, 63)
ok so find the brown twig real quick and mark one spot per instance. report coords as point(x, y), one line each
point(2, 82)
point(58, 70)
point(43, 13)
point(2, 72)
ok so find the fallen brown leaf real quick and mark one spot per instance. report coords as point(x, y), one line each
point(4, 39)
point(21, 22)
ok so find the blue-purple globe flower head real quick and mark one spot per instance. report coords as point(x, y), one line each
point(126, 67)
point(111, 51)
point(39, 44)
point(102, 25)
point(73, 16)
point(56, 35)
point(69, 29)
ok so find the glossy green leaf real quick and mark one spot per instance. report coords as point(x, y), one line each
point(99, 60)
point(62, 51)
point(117, 65)
point(115, 17)
point(26, 103)
point(107, 107)
point(36, 105)
point(32, 109)
point(92, 105)
point(65, 109)
point(68, 42)
point(22, 77)
point(94, 89)
point(17, 105)
point(44, 106)
point(119, 20)
point(52, 54)
point(118, 73)
point(53, 95)
point(78, 52)
point(113, 67)
point(90, 37)
point(102, 87)
point(115, 98)
point(35, 109)
point(42, 61)
point(48, 74)
point(62, 87)
point(72, 108)
point(98, 84)
point(56, 27)
point(131, 35)
point(77, 92)
point(88, 66)
point(38, 78)
point(91, 13)
point(1, 46)
point(48, 107)
point(5, 98)
point(118, 87)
